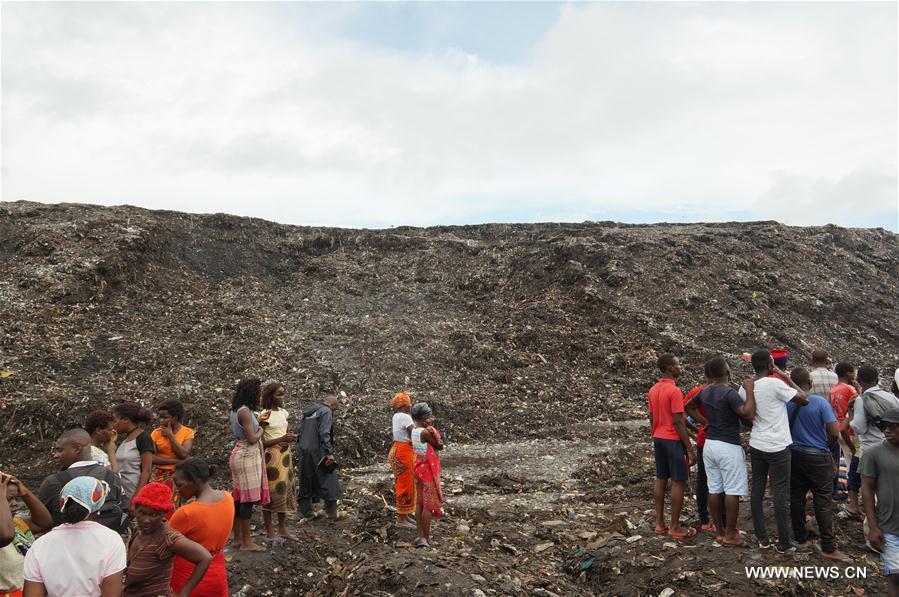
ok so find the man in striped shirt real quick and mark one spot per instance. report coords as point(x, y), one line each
point(823, 379)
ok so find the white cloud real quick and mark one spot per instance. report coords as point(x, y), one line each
point(711, 109)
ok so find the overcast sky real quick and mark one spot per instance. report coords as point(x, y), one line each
point(380, 114)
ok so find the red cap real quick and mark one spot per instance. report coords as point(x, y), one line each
point(777, 353)
point(156, 496)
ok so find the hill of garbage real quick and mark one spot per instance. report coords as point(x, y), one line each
point(509, 331)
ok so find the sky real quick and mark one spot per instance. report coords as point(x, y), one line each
point(385, 114)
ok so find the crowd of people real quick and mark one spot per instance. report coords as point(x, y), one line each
point(130, 512)
point(828, 435)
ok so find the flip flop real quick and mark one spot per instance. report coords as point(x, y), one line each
point(275, 541)
point(737, 543)
point(691, 532)
point(289, 537)
point(662, 531)
point(711, 527)
point(410, 527)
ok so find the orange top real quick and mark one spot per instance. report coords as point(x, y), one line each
point(665, 399)
point(164, 446)
point(207, 524)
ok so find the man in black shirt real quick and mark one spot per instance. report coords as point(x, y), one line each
point(72, 455)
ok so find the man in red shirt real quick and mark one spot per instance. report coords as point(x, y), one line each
point(841, 396)
point(671, 446)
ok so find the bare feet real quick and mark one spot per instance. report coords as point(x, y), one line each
point(837, 555)
point(252, 547)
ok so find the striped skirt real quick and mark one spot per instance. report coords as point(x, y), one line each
point(248, 473)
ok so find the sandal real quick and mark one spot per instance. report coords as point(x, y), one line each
point(275, 541)
point(711, 527)
point(289, 537)
point(421, 542)
point(726, 543)
point(691, 532)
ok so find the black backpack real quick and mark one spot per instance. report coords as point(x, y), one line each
point(110, 514)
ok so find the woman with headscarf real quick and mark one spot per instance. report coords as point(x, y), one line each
point(426, 441)
point(282, 483)
point(80, 556)
point(401, 460)
point(246, 461)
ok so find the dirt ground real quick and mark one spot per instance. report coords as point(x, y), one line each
point(537, 517)
point(535, 345)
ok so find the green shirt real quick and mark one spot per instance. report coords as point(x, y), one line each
point(882, 462)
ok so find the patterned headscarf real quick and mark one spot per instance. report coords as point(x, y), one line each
point(86, 491)
point(400, 400)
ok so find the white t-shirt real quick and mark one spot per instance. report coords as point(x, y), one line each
point(771, 426)
point(73, 559)
point(400, 423)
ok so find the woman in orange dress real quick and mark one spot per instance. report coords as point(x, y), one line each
point(208, 521)
point(173, 444)
point(401, 459)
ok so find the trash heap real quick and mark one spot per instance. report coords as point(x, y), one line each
point(511, 332)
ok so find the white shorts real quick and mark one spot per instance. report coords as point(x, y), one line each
point(890, 554)
point(725, 468)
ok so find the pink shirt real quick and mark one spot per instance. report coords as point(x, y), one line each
point(73, 559)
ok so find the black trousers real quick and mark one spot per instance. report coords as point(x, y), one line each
point(779, 465)
point(815, 473)
point(702, 489)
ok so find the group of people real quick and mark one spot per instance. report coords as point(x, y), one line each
point(131, 512)
point(415, 464)
point(807, 427)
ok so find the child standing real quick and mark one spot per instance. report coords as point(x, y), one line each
point(426, 441)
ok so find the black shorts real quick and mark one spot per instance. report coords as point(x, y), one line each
point(855, 480)
point(671, 459)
